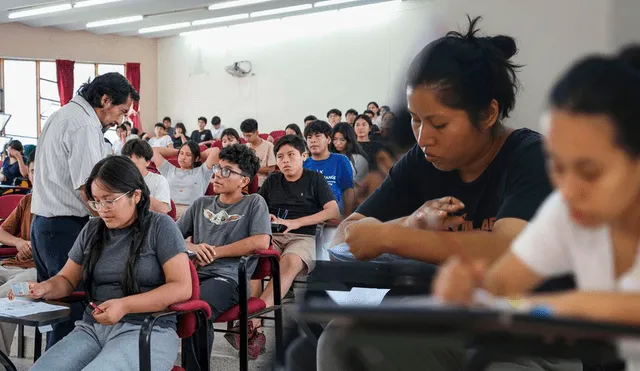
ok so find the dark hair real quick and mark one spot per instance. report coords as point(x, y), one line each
point(310, 118)
point(113, 84)
point(127, 123)
point(365, 118)
point(605, 86)
point(374, 103)
point(352, 111)
point(468, 72)
point(195, 151)
point(17, 145)
point(249, 126)
point(202, 118)
point(166, 119)
point(123, 127)
point(135, 131)
point(334, 111)
point(295, 128)
point(368, 111)
point(139, 148)
point(230, 131)
point(242, 156)
point(215, 120)
point(181, 126)
point(386, 108)
point(353, 147)
point(119, 174)
point(292, 140)
point(32, 157)
point(317, 127)
point(160, 125)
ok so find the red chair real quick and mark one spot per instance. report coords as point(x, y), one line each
point(152, 168)
point(8, 203)
point(243, 141)
point(210, 191)
point(277, 134)
point(173, 213)
point(173, 161)
point(192, 321)
point(248, 308)
point(254, 185)
point(217, 143)
point(264, 136)
point(203, 148)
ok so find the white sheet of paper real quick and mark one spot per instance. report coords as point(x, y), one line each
point(20, 307)
point(358, 296)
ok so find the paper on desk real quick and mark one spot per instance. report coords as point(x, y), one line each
point(358, 296)
point(20, 307)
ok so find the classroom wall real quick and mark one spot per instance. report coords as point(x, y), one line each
point(19, 41)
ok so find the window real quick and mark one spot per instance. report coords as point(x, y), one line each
point(20, 98)
point(106, 68)
point(49, 95)
point(82, 73)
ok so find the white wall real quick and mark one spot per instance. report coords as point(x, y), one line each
point(314, 67)
point(302, 66)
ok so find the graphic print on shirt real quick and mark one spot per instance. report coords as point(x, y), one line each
point(222, 217)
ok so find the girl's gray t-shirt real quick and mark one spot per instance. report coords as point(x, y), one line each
point(186, 186)
point(162, 242)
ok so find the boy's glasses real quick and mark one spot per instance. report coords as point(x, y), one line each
point(225, 172)
point(107, 205)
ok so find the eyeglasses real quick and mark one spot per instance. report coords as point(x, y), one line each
point(225, 172)
point(107, 205)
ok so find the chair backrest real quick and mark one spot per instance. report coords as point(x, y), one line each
point(210, 191)
point(264, 136)
point(173, 161)
point(8, 203)
point(254, 185)
point(203, 148)
point(277, 134)
point(217, 143)
point(243, 141)
point(152, 168)
point(173, 213)
point(187, 321)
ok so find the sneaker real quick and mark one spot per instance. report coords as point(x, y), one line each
point(234, 337)
point(257, 345)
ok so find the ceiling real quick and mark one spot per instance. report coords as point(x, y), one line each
point(155, 12)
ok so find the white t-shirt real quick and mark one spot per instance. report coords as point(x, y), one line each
point(163, 141)
point(186, 186)
point(158, 188)
point(117, 147)
point(217, 132)
point(552, 245)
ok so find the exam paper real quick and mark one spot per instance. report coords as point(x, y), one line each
point(20, 307)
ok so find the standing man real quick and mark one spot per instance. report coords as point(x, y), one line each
point(71, 143)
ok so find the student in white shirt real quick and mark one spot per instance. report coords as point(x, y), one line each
point(162, 139)
point(122, 138)
point(217, 127)
point(141, 154)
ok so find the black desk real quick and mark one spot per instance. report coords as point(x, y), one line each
point(494, 334)
point(35, 320)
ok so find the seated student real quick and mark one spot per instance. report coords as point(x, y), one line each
point(334, 116)
point(141, 153)
point(293, 129)
point(15, 231)
point(343, 141)
point(223, 229)
point(309, 119)
point(132, 133)
point(202, 135)
point(298, 200)
point(218, 128)
point(121, 131)
point(14, 164)
point(351, 116)
point(162, 139)
point(190, 181)
point(263, 148)
point(363, 127)
point(167, 125)
point(335, 167)
point(179, 135)
point(374, 108)
point(229, 137)
point(132, 262)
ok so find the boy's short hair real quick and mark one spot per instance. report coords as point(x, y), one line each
point(32, 157)
point(202, 118)
point(160, 125)
point(292, 140)
point(166, 119)
point(215, 120)
point(334, 111)
point(242, 156)
point(139, 148)
point(249, 126)
point(127, 123)
point(352, 112)
point(368, 111)
point(123, 127)
point(310, 118)
point(317, 127)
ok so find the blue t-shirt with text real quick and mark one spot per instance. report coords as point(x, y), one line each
point(337, 171)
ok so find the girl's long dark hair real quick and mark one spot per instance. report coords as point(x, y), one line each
point(120, 175)
point(195, 152)
point(353, 147)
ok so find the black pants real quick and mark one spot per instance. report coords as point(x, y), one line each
point(221, 294)
point(51, 240)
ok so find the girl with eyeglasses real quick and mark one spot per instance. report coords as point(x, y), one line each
point(343, 141)
point(132, 262)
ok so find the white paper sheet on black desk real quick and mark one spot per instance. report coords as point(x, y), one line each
point(20, 307)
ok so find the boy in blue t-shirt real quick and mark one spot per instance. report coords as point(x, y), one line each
point(335, 168)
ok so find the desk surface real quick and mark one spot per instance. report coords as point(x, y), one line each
point(41, 319)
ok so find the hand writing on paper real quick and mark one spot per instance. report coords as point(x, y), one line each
point(436, 215)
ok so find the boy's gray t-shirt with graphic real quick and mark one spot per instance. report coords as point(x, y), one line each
point(210, 221)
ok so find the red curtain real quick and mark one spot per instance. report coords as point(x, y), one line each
point(64, 71)
point(133, 75)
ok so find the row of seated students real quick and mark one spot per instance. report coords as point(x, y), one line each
point(515, 232)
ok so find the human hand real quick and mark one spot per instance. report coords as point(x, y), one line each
point(435, 215)
point(110, 312)
point(365, 238)
point(206, 254)
point(291, 224)
point(24, 248)
point(457, 280)
point(36, 291)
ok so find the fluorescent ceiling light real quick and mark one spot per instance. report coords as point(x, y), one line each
point(332, 2)
point(166, 27)
point(82, 4)
point(233, 4)
point(288, 9)
point(111, 22)
point(235, 17)
point(39, 11)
